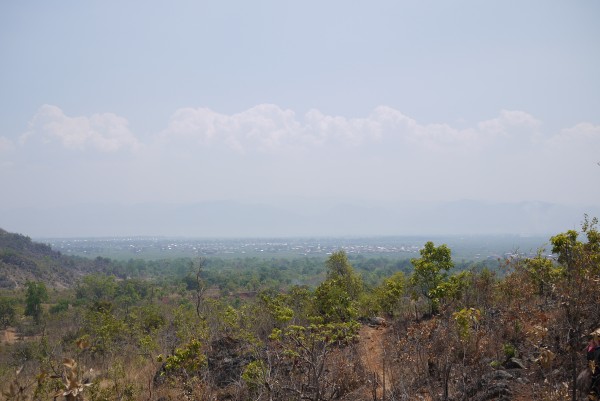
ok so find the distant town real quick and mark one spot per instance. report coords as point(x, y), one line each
point(467, 248)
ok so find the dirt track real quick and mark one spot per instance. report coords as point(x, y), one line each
point(372, 349)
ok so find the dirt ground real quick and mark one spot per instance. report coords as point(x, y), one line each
point(373, 345)
point(8, 336)
point(372, 349)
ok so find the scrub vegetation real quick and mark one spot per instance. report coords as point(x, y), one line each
point(334, 328)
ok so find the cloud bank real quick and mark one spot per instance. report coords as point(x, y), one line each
point(268, 128)
point(269, 152)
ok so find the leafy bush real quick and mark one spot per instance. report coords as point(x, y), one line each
point(7, 312)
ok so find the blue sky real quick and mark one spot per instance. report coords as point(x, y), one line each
point(276, 102)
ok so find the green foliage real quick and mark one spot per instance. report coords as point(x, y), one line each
point(304, 340)
point(390, 293)
point(96, 288)
point(307, 350)
point(578, 289)
point(311, 352)
point(127, 294)
point(543, 272)
point(277, 307)
point(255, 374)
point(565, 245)
point(340, 270)
point(35, 296)
point(454, 286)
point(187, 326)
point(188, 358)
point(301, 300)
point(147, 318)
point(61, 306)
point(430, 272)
point(230, 318)
point(336, 298)
point(466, 321)
point(510, 351)
point(333, 302)
point(7, 311)
point(575, 254)
point(106, 330)
point(368, 304)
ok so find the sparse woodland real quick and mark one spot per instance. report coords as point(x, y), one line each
point(183, 331)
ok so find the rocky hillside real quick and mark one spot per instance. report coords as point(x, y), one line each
point(22, 260)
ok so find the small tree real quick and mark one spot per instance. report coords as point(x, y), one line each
point(389, 294)
point(430, 272)
point(7, 312)
point(336, 297)
point(543, 272)
point(333, 302)
point(97, 289)
point(308, 350)
point(578, 289)
point(36, 294)
point(200, 284)
point(339, 269)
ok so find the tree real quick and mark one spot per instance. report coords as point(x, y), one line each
point(543, 272)
point(389, 294)
point(430, 272)
point(339, 269)
point(336, 297)
point(7, 312)
point(36, 294)
point(97, 288)
point(333, 302)
point(127, 295)
point(307, 350)
point(578, 289)
point(201, 285)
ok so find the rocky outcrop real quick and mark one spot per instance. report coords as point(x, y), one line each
point(495, 386)
point(227, 359)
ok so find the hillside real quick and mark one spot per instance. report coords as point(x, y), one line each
point(434, 332)
point(22, 260)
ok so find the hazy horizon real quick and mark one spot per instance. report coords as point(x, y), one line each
point(314, 117)
point(230, 219)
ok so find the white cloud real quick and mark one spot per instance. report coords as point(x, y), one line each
point(321, 128)
point(263, 127)
point(385, 154)
point(267, 127)
point(105, 132)
point(507, 121)
point(512, 127)
point(586, 132)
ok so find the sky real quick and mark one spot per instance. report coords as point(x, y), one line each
point(290, 104)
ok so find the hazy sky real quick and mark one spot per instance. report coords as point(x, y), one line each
point(271, 101)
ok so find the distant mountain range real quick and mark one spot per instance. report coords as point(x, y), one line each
point(224, 219)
